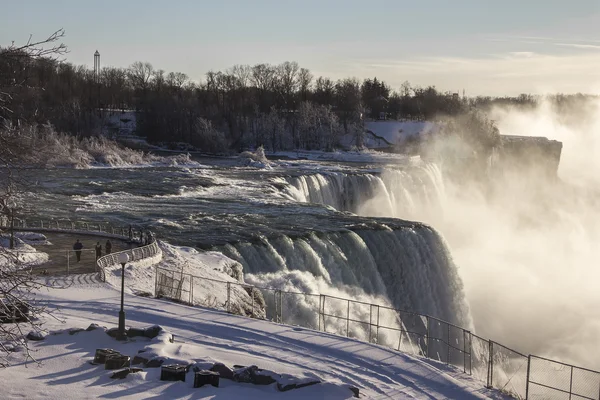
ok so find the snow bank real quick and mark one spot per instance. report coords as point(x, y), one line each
point(397, 132)
point(22, 255)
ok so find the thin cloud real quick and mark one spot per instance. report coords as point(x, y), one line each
point(580, 46)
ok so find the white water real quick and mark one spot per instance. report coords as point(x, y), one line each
point(527, 255)
point(407, 268)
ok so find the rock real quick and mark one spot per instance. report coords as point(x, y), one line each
point(263, 378)
point(103, 354)
point(133, 332)
point(73, 331)
point(204, 377)
point(122, 374)
point(355, 391)
point(173, 372)
point(290, 382)
point(154, 363)
point(92, 327)
point(223, 370)
point(117, 361)
point(35, 336)
point(112, 332)
point(139, 360)
point(244, 375)
point(152, 331)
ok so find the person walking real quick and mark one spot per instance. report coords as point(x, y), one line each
point(77, 247)
point(98, 250)
point(108, 247)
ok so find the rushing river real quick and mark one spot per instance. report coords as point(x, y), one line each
point(347, 230)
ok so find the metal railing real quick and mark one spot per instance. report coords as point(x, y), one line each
point(134, 254)
point(65, 225)
point(502, 368)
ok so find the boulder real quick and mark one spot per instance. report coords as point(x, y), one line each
point(139, 360)
point(73, 331)
point(154, 363)
point(152, 331)
point(122, 374)
point(92, 327)
point(134, 332)
point(224, 371)
point(35, 336)
point(204, 377)
point(355, 390)
point(290, 382)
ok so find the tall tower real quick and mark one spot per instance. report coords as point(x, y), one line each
point(97, 66)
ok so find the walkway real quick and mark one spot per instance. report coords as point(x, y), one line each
point(62, 257)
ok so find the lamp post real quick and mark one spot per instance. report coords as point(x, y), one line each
point(123, 258)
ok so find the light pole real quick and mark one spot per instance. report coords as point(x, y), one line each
point(123, 258)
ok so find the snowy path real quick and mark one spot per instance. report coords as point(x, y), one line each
point(380, 373)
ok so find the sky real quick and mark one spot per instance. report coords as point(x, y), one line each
point(482, 47)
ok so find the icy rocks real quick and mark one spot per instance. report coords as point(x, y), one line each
point(35, 336)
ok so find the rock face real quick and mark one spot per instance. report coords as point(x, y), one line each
point(537, 155)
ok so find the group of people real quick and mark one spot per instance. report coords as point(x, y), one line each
point(78, 247)
point(145, 238)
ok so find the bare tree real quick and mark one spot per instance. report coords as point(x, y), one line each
point(19, 313)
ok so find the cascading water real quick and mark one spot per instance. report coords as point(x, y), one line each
point(392, 193)
point(406, 267)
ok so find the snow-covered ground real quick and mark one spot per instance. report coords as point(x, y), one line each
point(23, 254)
point(203, 337)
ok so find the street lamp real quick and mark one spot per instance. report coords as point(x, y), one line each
point(123, 258)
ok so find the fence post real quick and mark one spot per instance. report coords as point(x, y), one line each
point(348, 320)
point(228, 297)
point(192, 290)
point(448, 345)
point(528, 372)
point(377, 332)
point(156, 282)
point(491, 366)
point(320, 307)
point(465, 352)
point(571, 384)
point(252, 289)
point(428, 337)
point(68, 260)
point(41, 224)
point(370, 322)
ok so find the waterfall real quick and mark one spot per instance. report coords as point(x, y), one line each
point(408, 268)
point(398, 193)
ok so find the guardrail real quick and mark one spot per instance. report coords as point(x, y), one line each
point(135, 254)
point(60, 225)
point(502, 368)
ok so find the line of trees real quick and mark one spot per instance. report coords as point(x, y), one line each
point(277, 106)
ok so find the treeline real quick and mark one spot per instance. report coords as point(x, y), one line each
point(277, 106)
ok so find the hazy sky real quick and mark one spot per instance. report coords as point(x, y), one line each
point(485, 47)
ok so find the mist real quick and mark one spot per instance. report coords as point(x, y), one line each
point(527, 248)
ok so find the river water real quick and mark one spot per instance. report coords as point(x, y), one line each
point(347, 230)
